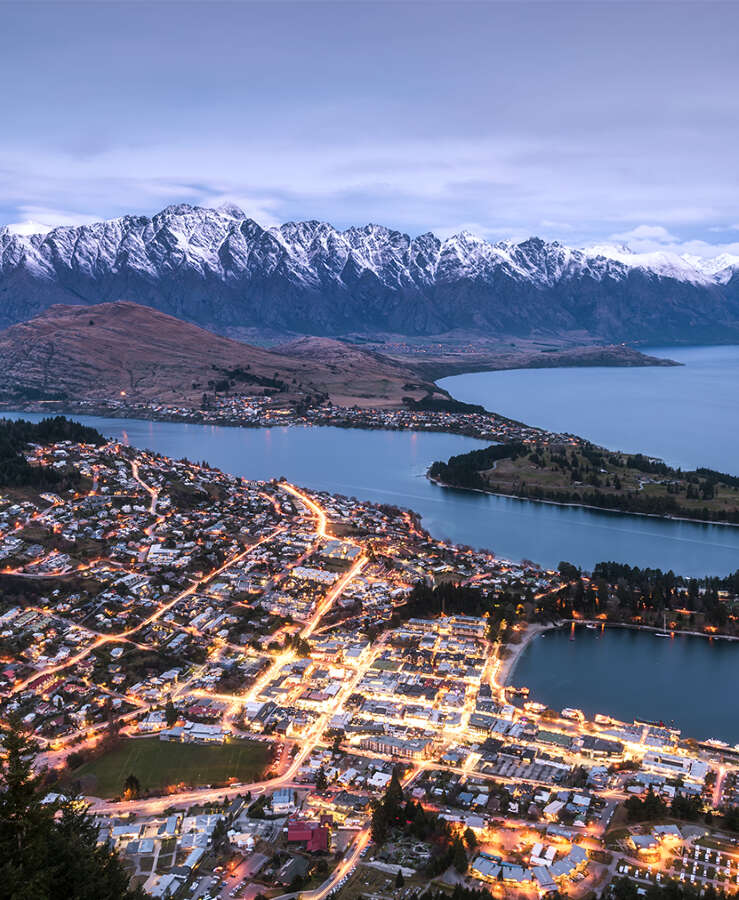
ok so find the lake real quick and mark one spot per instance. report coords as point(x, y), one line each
point(390, 466)
point(686, 681)
point(688, 415)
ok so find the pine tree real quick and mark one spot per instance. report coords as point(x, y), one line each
point(131, 787)
point(220, 836)
point(394, 799)
point(470, 838)
point(379, 824)
point(170, 714)
point(459, 856)
point(49, 851)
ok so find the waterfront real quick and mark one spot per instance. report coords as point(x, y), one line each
point(631, 673)
point(390, 466)
point(688, 415)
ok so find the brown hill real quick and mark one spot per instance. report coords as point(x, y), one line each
point(111, 349)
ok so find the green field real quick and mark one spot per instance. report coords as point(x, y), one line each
point(158, 764)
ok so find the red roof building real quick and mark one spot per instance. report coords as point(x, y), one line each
point(317, 838)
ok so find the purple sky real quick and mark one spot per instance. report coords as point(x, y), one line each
point(584, 122)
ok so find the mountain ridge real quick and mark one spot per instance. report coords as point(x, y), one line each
point(222, 270)
point(125, 350)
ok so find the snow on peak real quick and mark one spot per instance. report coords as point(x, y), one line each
point(663, 263)
point(232, 210)
point(225, 244)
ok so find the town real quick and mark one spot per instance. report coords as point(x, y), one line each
point(262, 690)
point(268, 410)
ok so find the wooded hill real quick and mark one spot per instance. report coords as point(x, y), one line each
point(587, 475)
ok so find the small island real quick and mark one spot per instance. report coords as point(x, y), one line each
point(579, 473)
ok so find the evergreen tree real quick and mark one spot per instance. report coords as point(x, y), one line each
point(170, 714)
point(470, 838)
point(459, 856)
point(220, 836)
point(49, 851)
point(394, 797)
point(379, 824)
point(131, 788)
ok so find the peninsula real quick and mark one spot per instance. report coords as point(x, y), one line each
point(580, 473)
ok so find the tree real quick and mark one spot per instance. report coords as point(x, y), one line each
point(321, 780)
point(399, 880)
point(220, 836)
point(647, 810)
point(48, 851)
point(459, 856)
point(170, 713)
point(131, 788)
point(393, 800)
point(470, 838)
point(379, 824)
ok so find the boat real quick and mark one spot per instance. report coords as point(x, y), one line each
point(591, 626)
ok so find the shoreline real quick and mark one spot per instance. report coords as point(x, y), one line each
point(507, 665)
point(439, 428)
point(603, 509)
point(506, 669)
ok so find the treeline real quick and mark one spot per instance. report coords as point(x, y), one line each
point(442, 404)
point(50, 851)
point(459, 599)
point(394, 814)
point(464, 470)
point(16, 435)
point(629, 591)
point(662, 583)
point(590, 481)
point(652, 808)
point(243, 375)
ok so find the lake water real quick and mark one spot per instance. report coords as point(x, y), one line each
point(389, 467)
point(688, 415)
point(686, 681)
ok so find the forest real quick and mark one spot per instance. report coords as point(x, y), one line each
point(16, 435)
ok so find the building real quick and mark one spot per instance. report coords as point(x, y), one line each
point(393, 746)
point(314, 836)
point(283, 801)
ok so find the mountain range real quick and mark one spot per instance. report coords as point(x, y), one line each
point(222, 270)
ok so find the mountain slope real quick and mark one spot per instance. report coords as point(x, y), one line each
point(224, 271)
point(99, 351)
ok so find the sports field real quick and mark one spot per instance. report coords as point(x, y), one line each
point(158, 764)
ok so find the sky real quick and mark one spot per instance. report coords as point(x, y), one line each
point(583, 122)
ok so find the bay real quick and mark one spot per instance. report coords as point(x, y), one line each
point(688, 415)
point(684, 681)
point(390, 466)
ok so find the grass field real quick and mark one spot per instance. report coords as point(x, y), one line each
point(158, 764)
point(613, 481)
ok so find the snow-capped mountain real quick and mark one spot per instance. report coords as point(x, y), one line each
point(221, 269)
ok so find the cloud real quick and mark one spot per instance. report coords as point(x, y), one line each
point(651, 238)
point(39, 219)
point(508, 119)
point(655, 233)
